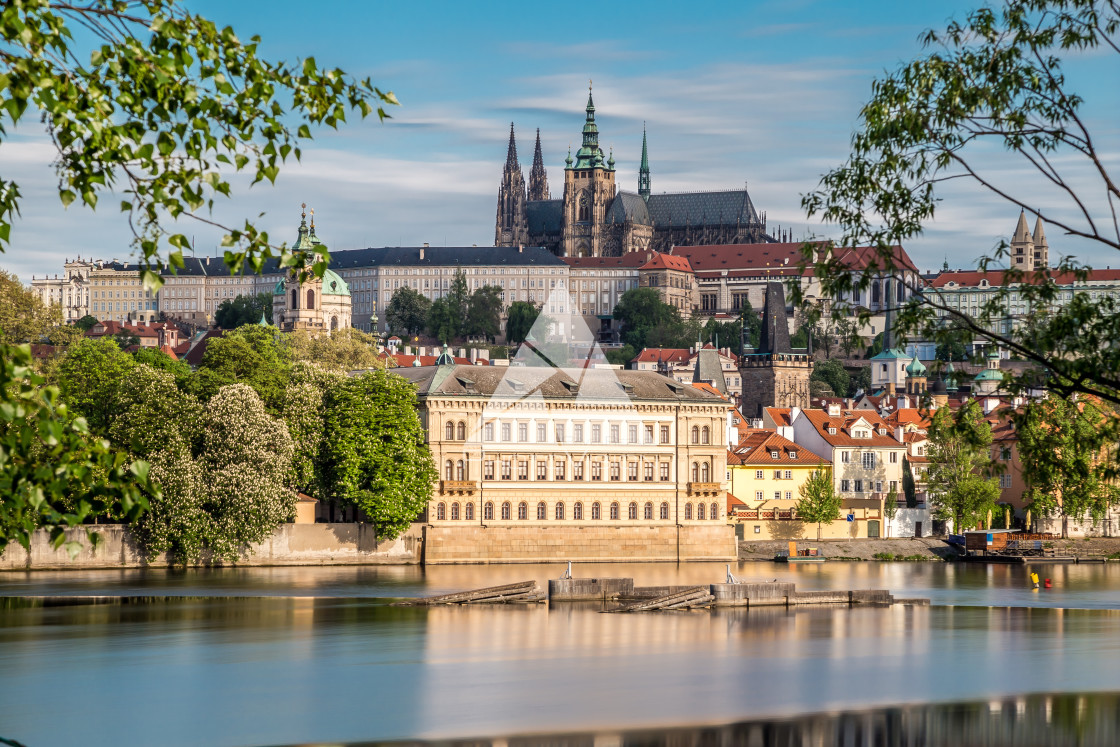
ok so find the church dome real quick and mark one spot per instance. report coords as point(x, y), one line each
point(334, 285)
point(916, 368)
point(279, 289)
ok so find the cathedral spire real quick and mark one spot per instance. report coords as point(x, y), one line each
point(538, 176)
point(643, 172)
point(511, 154)
point(590, 155)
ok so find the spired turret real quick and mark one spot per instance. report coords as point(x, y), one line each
point(589, 188)
point(643, 170)
point(511, 226)
point(314, 304)
point(774, 375)
point(538, 176)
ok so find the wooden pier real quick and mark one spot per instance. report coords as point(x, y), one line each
point(521, 592)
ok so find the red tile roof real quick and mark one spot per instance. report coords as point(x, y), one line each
point(776, 259)
point(972, 278)
point(667, 262)
point(759, 444)
point(843, 426)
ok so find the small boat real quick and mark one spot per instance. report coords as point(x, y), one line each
point(808, 555)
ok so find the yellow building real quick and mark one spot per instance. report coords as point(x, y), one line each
point(117, 295)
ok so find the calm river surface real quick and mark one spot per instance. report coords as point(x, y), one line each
point(308, 655)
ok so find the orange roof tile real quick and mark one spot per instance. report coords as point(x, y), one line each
point(759, 445)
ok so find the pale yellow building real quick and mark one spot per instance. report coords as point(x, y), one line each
point(589, 464)
point(117, 295)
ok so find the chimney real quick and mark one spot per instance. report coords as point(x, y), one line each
point(898, 433)
point(422, 251)
point(833, 410)
point(474, 356)
point(520, 249)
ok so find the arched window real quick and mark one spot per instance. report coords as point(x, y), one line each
point(695, 434)
point(449, 431)
point(584, 213)
point(522, 511)
point(704, 472)
point(441, 511)
point(688, 511)
point(447, 471)
point(460, 470)
point(614, 511)
point(704, 434)
point(455, 511)
point(461, 431)
point(647, 512)
point(488, 511)
point(664, 510)
point(715, 510)
point(577, 511)
point(700, 512)
point(295, 299)
point(900, 291)
point(505, 511)
point(596, 511)
point(468, 512)
point(542, 511)
point(875, 292)
point(559, 510)
point(310, 299)
point(695, 472)
point(632, 511)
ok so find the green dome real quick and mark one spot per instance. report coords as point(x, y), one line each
point(279, 289)
point(334, 285)
point(916, 368)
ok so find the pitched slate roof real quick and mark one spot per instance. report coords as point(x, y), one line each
point(627, 206)
point(545, 216)
point(443, 256)
point(629, 259)
point(702, 208)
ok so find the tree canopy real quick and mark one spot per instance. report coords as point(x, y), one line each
point(647, 321)
point(23, 317)
point(990, 97)
point(236, 312)
point(819, 501)
point(407, 313)
point(957, 478)
point(522, 315)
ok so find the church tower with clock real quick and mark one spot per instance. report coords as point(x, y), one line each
point(588, 192)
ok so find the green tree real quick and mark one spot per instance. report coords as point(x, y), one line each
point(819, 502)
point(860, 381)
point(959, 451)
point(833, 373)
point(909, 487)
point(375, 454)
point(86, 323)
point(520, 321)
point(162, 113)
point(53, 472)
point(1065, 452)
point(23, 317)
point(750, 321)
point(89, 376)
point(303, 412)
point(890, 509)
point(725, 333)
point(442, 322)
point(343, 350)
point(252, 355)
point(156, 358)
point(236, 312)
point(647, 321)
point(484, 313)
point(620, 356)
point(989, 97)
point(407, 313)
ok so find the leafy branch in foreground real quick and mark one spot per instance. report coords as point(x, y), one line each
point(991, 97)
point(162, 109)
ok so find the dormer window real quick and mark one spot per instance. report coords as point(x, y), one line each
point(831, 430)
point(793, 455)
point(774, 455)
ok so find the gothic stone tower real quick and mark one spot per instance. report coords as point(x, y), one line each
point(1028, 252)
point(774, 375)
point(588, 191)
point(538, 177)
point(512, 226)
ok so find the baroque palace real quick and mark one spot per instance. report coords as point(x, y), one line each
point(594, 218)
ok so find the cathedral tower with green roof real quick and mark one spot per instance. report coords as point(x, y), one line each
point(588, 192)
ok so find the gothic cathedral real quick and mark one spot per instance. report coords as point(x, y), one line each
point(594, 218)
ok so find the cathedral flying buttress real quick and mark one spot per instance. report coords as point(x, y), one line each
point(594, 217)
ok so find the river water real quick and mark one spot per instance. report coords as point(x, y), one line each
point(286, 656)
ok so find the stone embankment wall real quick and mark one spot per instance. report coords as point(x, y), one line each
point(290, 544)
point(532, 544)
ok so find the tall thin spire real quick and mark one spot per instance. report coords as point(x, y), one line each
point(643, 172)
point(590, 155)
point(538, 176)
point(511, 154)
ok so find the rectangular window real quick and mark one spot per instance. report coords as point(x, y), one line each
point(577, 433)
point(596, 434)
point(631, 470)
point(664, 434)
point(878, 486)
point(894, 457)
point(577, 469)
point(522, 469)
point(758, 495)
point(859, 486)
point(789, 495)
point(507, 469)
point(649, 434)
point(596, 470)
point(894, 486)
point(542, 470)
point(777, 495)
point(506, 430)
point(616, 434)
point(664, 472)
point(488, 469)
point(777, 474)
point(1005, 481)
point(488, 432)
point(542, 433)
point(845, 486)
point(559, 470)
point(616, 471)
point(522, 432)
point(758, 474)
point(789, 474)
point(869, 460)
point(559, 433)
point(648, 471)
point(844, 457)
point(632, 433)
point(1005, 454)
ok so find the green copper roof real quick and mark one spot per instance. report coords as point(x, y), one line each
point(590, 155)
point(643, 171)
point(279, 289)
point(916, 368)
point(263, 322)
point(891, 355)
point(988, 374)
point(445, 358)
point(334, 285)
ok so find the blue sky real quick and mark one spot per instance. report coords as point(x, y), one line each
point(764, 94)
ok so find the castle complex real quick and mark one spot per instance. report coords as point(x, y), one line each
point(594, 218)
